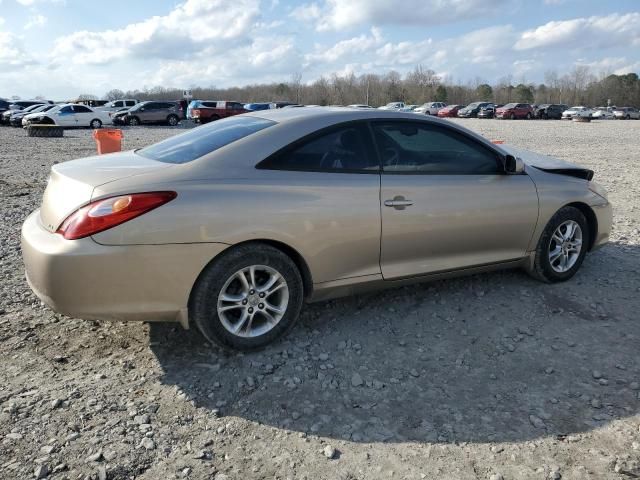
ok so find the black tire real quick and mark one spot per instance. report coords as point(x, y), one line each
point(542, 269)
point(44, 131)
point(95, 123)
point(172, 120)
point(203, 304)
point(134, 121)
point(628, 117)
point(512, 116)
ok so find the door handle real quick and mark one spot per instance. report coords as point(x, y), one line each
point(398, 202)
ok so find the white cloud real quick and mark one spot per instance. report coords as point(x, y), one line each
point(12, 52)
point(584, 33)
point(350, 47)
point(35, 21)
point(182, 33)
point(339, 14)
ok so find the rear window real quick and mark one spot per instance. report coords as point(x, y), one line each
point(200, 141)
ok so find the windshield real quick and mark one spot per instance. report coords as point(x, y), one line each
point(203, 140)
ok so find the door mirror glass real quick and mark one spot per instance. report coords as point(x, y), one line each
point(513, 164)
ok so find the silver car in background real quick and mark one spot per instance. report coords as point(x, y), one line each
point(233, 225)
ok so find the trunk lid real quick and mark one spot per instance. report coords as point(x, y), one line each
point(71, 184)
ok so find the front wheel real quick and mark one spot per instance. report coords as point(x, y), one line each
point(134, 121)
point(528, 116)
point(247, 298)
point(562, 246)
point(512, 116)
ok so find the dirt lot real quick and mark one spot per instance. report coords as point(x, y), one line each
point(493, 376)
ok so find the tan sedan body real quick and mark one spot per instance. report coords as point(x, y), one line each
point(345, 231)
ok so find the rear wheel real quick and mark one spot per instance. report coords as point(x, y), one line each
point(247, 298)
point(172, 120)
point(562, 246)
point(95, 123)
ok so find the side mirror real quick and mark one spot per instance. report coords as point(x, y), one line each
point(513, 165)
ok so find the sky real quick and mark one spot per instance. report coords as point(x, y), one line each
point(64, 48)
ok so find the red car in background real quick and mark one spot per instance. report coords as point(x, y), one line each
point(515, 110)
point(209, 111)
point(449, 111)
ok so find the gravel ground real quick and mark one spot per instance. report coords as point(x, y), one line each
point(493, 376)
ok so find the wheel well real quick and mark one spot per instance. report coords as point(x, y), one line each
point(592, 220)
point(303, 268)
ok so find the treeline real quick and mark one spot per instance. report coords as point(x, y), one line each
point(579, 87)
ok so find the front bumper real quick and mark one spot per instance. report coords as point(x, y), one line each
point(84, 279)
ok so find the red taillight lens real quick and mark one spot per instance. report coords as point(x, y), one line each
point(103, 214)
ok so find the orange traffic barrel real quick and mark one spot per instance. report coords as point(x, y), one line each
point(108, 140)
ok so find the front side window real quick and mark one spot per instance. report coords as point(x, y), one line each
point(421, 148)
point(341, 150)
point(200, 141)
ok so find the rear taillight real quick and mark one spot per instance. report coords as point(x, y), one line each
point(195, 113)
point(103, 214)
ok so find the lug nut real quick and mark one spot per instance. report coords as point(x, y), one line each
point(261, 295)
point(261, 305)
point(251, 292)
point(250, 310)
point(244, 302)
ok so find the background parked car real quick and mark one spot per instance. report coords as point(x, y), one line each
point(116, 105)
point(281, 104)
point(550, 110)
point(24, 116)
point(513, 111)
point(449, 111)
point(626, 113)
point(14, 107)
point(430, 108)
point(16, 118)
point(211, 111)
point(4, 105)
point(603, 113)
point(168, 113)
point(71, 115)
point(473, 109)
point(488, 111)
point(358, 105)
point(392, 106)
point(578, 111)
point(408, 108)
point(253, 107)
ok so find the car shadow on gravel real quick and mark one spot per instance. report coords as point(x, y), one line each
point(489, 358)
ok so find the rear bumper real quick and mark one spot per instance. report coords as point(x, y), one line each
point(84, 279)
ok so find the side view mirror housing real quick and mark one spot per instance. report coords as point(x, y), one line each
point(513, 165)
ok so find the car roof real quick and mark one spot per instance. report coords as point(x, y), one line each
point(330, 115)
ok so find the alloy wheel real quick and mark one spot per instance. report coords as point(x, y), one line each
point(252, 301)
point(565, 246)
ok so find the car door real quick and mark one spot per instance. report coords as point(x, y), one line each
point(327, 202)
point(83, 115)
point(65, 117)
point(446, 202)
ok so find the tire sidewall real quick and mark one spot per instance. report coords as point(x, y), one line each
point(542, 263)
point(203, 303)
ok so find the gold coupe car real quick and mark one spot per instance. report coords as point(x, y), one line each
point(233, 225)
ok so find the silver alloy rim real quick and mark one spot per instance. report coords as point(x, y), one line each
point(95, 124)
point(565, 246)
point(253, 301)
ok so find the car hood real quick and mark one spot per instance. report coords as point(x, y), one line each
point(549, 164)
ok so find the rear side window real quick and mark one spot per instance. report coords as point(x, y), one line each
point(81, 109)
point(200, 141)
point(340, 150)
point(420, 148)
